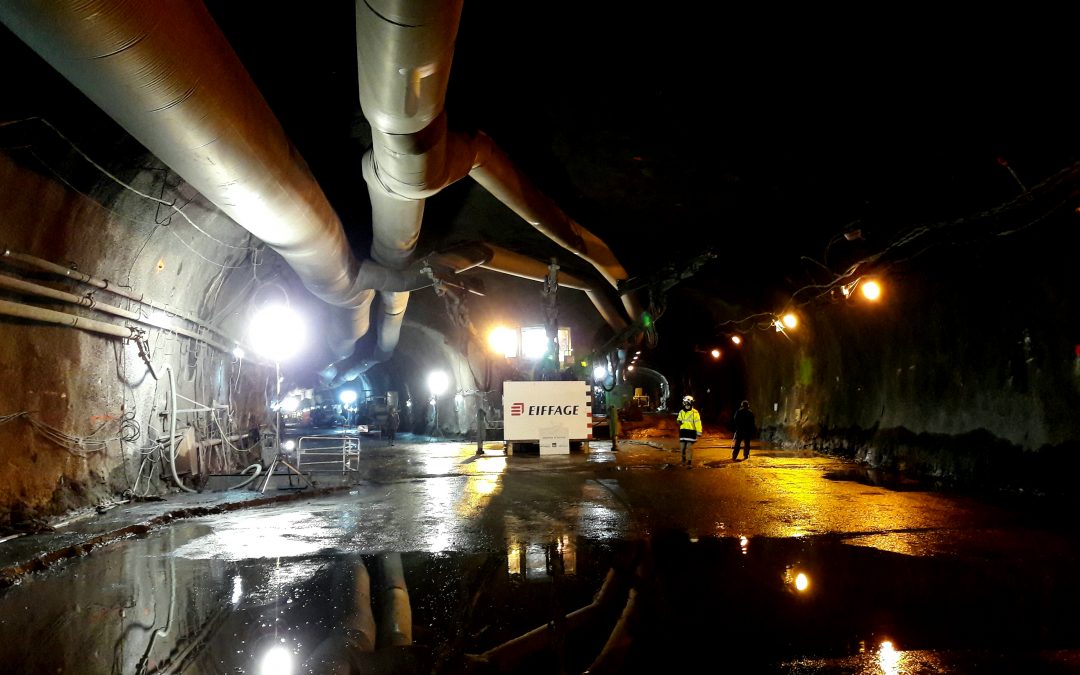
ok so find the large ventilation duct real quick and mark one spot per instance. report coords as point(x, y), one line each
point(164, 71)
point(404, 53)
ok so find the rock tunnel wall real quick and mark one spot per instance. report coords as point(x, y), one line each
point(967, 370)
point(56, 206)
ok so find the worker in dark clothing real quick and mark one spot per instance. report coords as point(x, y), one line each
point(745, 427)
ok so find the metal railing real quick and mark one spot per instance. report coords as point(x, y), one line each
point(328, 454)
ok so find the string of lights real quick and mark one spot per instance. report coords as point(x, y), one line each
point(1049, 197)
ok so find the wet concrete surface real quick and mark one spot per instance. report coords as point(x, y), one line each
point(786, 563)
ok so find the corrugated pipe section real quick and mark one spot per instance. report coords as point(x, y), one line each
point(165, 73)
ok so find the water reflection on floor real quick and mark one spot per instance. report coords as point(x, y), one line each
point(708, 604)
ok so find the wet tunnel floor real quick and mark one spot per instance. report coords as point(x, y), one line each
point(934, 585)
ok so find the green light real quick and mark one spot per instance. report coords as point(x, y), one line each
point(646, 320)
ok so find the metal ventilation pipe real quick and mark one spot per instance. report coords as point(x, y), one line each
point(497, 259)
point(404, 52)
point(165, 73)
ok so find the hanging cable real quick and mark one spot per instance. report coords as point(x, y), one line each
point(172, 431)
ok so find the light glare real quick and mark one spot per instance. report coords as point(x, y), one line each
point(790, 320)
point(276, 661)
point(437, 382)
point(871, 290)
point(599, 373)
point(290, 404)
point(503, 340)
point(277, 332)
point(715, 353)
point(534, 342)
point(347, 396)
point(735, 339)
point(802, 582)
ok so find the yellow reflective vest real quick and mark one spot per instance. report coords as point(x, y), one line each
point(690, 419)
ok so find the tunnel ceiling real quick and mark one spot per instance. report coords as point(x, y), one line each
point(761, 138)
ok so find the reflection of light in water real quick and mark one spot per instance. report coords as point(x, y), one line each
point(568, 552)
point(291, 534)
point(799, 580)
point(276, 661)
point(536, 561)
point(513, 558)
point(744, 544)
point(237, 590)
point(889, 659)
point(536, 566)
point(802, 582)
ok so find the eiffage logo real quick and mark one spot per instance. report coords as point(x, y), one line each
point(518, 409)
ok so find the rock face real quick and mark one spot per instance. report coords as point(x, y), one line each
point(96, 390)
point(967, 369)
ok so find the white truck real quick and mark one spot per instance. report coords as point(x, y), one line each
point(552, 414)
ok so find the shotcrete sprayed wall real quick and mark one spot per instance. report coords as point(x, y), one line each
point(57, 206)
point(968, 368)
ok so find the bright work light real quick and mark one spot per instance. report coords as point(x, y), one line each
point(347, 396)
point(437, 382)
point(503, 340)
point(277, 332)
point(871, 290)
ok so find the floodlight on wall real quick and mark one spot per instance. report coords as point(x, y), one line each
point(347, 397)
point(277, 332)
point(437, 382)
point(599, 373)
point(790, 320)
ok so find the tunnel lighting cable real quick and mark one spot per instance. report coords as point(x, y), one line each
point(156, 226)
point(172, 431)
point(80, 446)
point(121, 183)
point(138, 221)
point(919, 234)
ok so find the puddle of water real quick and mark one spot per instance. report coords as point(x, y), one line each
point(739, 604)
